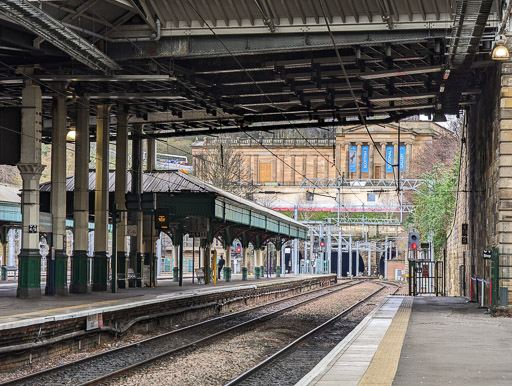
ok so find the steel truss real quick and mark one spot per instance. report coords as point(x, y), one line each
point(353, 183)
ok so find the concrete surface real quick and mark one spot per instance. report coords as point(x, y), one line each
point(452, 342)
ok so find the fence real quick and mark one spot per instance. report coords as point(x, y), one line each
point(479, 286)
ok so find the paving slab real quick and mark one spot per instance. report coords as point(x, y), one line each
point(450, 341)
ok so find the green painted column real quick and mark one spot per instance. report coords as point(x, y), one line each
point(29, 259)
point(175, 269)
point(278, 262)
point(257, 272)
point(58, 196)
point(227, 274)
point(279, 246)
point(244, 263)
point(263, 259)
point(79, 272)
point(100, 260)
point(80, 259)
point(120, 196)
point(227, 269)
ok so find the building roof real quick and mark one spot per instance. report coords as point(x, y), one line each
point(9, 194)
point(178, 182)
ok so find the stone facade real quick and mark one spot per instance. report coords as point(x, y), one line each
point(288, 161)
point(278, 186)
point(487, 179)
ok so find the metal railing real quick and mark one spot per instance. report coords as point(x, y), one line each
point(277, 142)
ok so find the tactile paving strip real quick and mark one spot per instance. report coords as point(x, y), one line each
point(384, 364)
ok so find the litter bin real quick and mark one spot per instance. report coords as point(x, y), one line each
point(4, 273)
point(503, 295)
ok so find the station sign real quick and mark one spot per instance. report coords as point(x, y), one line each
point(162, 218)
point(201, 235)
point(94, 321)
point(131, 230)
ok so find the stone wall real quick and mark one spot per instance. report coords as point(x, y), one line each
point(457, 274)
point(488, 206)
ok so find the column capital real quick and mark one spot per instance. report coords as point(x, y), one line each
point(35, 169)
point(359, 143)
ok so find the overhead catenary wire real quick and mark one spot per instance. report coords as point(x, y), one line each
point(262, 92)
point(148, 136)
point(254, 81)
point(345, 75)
point(360, 113)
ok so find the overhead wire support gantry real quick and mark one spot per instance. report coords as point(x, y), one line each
point(361, 183)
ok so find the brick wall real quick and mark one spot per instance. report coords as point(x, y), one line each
point(167, 313)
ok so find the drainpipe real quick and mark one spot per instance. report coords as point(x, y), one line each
point(152, 38)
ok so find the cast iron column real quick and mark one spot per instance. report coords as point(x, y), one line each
point(100, 260)
point(58, 198)
point(175, 268)
point(227, 268)
point(29, 258)
point(120, 195)
point(80, 259)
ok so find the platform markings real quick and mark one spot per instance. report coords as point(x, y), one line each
point(67, 308)
point(384, 364)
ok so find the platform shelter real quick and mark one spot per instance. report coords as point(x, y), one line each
point(192, 207)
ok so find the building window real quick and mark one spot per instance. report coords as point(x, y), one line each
point(371, 197)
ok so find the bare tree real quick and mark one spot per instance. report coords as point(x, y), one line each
point(10, 175)
point(224, 167)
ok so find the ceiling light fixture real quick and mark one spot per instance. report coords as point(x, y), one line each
point(500, 50)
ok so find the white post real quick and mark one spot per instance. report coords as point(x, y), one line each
point(350, 256)
point(329, 245)
point(305, 257)
point(357, 258)
point(296, 256)
point(283, 260)
point(311, 247)
point(12, 248)
point(159, 256)
point(369, 267)
point(386, 258)
point(340, 260)
point(322, 253)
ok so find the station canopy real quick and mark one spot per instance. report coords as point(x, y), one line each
point(198, 207)
point(191, 67)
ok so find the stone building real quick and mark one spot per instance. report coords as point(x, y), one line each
point(351, 155)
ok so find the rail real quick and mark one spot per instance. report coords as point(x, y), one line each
point(299, 340)
point(37, 378)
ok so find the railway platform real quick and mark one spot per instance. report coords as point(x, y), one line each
point(81, 319)
point(422, 340)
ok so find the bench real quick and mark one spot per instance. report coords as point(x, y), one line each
point(133, 278)
point(5, 272)
point(199, 275)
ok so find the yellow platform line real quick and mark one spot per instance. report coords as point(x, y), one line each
point(68, 308)
point(384, 364)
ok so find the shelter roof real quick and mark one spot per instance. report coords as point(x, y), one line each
point(9, 194)
point(199, 67)
point(175, 182)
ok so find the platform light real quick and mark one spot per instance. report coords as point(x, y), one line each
point(500, 50)
point(71, 135)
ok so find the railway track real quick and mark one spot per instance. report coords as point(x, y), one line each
point(288, 365)
point(111, 364)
